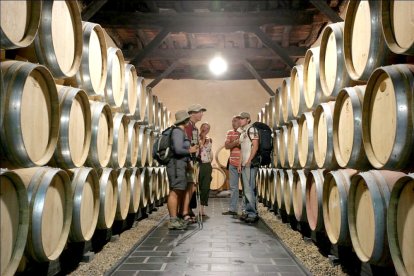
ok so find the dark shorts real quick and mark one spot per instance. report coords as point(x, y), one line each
point(176, 171)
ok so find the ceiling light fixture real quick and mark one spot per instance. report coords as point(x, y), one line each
point(218, 65)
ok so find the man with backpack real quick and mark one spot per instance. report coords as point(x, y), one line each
point(249, 143)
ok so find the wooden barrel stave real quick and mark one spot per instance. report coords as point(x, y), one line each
point(130, 101)
point(314, 190)
point(288, 192)
point(115, 82)
point(297, 91)
point(299, 195)
point(120, 142)
point(280, 182)
point(133, 144)
point(305, 141)
point(142, 147)
point(108, 197)
point(311, 79)
point(286, 101)
point(124, 194)
point(292, 145)
point(283, 153)
point(135, 180)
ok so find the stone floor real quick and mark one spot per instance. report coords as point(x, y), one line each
point(224, 246)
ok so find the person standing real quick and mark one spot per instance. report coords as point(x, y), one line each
point(249, 142)
point(206, 157)
point(196, 114)
point(176, 169)
point(233, 144)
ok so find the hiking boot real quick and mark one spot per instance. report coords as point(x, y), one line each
point(231, 213)
point(251, 219)
point(175, 224)
point(183, 221)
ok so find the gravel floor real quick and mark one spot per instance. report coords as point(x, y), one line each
point(306, 252)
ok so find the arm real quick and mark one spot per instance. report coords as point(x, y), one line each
point(255, 147)
point(229, 145)
point(178, 144)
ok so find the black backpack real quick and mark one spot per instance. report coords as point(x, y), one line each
point(264, 153)
point(162, 150)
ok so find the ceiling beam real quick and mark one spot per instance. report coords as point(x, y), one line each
point(207, 53)
point(325, 9)
point(205, 74)
point(150, 20)
point(258, 78)
point(91, 9)
point(155, 43)
point(163, 74)
point(278, 50)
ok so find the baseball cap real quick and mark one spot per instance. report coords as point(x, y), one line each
point(244, 115)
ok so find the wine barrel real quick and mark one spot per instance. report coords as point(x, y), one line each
point(280, 187)
point(283, 147)
point(148, 118)
point(364, 45)
point(75, 128)
point(50, 203)
point(305, 141)
point(142, 100)
point(332, 70)
point(115, 81)
point(101, 135)
point(92, 73)
point(124, 194)
point(152, 184)
point(120, 142)
point(133, 143)
point(397, 26)
point(266, 114)
point(145, 186)
point(19, 23)
point(14, 220)
point(299, 195)
point(161, 116)
point(368, 200)
point(59, 41)
point(387, 117)
point(161, 178)
point(323, 136)
point(272, 113)
point(222, 157)
point(167, 184)
point(142, 147)
point(155, 113)
point(288, 192)
point(314, 190)
point(135, 180)
point(218, 178)
point(335, 205)
point(311, 78)
point(259, 177)
point(108, 197)
point(286, 101)
point(149, 136)
point(159, 183)
point(278, 108)
point(292, 144)
point(272, 175)
point(129, 104)
point(167, 115)
point(276, 149)
point(347, 128)
point(265, 187)
point(296, 91)
point(400, 225)
point(29, 114)
point(85, 187)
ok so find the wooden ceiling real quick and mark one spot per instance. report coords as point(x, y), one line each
point(176, 39)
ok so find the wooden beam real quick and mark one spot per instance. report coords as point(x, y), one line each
point(91, 9)
point(278, 50)
point(205, 74)
point(163, 74)
point(150, 20)
point(324, 8)
point(259, 79)
point(151, 46)
point(228, 53)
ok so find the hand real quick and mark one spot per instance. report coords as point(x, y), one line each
point(239, 169)
point(247, 165)
point(193, 149)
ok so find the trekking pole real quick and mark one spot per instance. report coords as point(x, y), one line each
point(199, 216)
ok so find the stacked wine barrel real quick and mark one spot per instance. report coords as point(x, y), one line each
point(75, 156)
point(344, 136)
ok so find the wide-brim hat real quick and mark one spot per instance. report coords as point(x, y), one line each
point(181, 116)
point(196, 108)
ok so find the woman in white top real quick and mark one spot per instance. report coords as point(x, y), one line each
point(206, 156)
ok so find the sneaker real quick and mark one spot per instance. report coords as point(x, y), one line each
point(175, 224)
point(227, 213)
point(251, 219)
point(243, 217)
point(183, 221)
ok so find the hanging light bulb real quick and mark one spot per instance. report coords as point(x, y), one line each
point(218, 65)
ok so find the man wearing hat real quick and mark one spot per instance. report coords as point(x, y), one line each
point(176, 168)
point(196, 114)
point(249, 144)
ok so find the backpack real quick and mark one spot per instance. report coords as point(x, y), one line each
point(162, 150)
point(264, 152)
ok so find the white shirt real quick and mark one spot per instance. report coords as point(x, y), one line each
point(246, 142)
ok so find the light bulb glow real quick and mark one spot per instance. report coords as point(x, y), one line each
point(218, 66)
